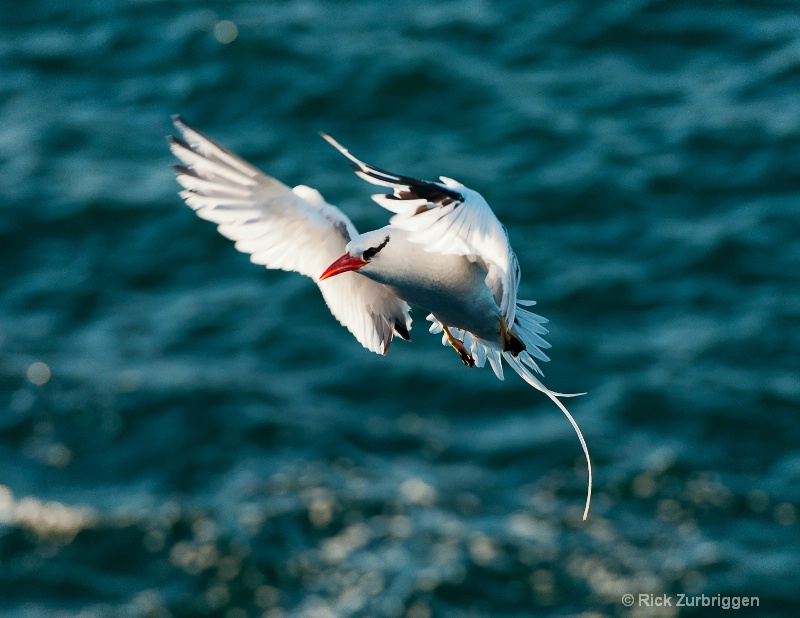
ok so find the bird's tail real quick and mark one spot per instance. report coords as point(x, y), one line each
point(529, 328)
point(525, 373)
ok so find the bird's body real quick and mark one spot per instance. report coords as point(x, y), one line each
point(444, 251)
point(448, 286)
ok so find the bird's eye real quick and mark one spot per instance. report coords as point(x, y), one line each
point(370, 253)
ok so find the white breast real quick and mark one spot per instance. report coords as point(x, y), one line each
point(449, 286)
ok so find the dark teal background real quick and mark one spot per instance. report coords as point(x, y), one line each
point(211, 443)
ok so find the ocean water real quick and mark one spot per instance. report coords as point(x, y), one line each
point(183, 433)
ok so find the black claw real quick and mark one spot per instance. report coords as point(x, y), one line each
point(466, 358)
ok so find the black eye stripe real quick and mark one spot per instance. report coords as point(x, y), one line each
point(370, 253)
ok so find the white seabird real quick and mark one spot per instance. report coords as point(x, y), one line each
point(443, 250)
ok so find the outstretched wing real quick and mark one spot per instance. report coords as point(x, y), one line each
point(287, 229)
point(447, 217)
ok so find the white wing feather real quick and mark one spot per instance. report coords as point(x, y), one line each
point(287, 229)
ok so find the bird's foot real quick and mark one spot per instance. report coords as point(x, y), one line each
point(459, 347)
point(511, 341)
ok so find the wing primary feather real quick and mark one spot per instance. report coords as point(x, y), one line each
point(432, 191)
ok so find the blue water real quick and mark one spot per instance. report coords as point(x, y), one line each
point(186, 434)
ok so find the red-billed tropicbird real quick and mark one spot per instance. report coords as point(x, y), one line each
point(444, 250)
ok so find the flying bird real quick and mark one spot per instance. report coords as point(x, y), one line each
point(443, 250)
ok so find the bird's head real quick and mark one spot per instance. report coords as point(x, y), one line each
point(361, 251)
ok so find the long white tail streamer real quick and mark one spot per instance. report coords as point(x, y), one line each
point(484, 350)
point(526, 375)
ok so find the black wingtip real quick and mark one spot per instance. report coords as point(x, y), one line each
point(402, 331)
point(182, 169)
point(177, 141)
